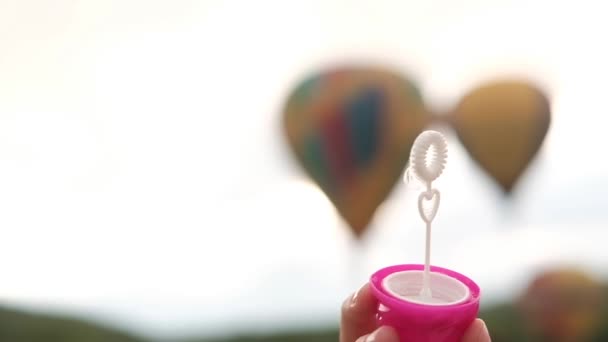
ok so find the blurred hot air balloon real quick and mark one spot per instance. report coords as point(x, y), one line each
point(563, 305)
point(352, 129)
point(502, 125)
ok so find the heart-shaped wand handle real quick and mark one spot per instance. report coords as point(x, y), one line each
point(428, 203)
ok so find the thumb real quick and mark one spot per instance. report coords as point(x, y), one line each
point(382, 334)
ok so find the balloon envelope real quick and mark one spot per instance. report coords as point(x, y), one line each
point(563, 305)
point(352, 129)
point(502, 125)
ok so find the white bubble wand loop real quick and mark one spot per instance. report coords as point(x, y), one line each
point(427, 161)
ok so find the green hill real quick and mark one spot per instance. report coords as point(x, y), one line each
point(19, 326)
point(304, 336)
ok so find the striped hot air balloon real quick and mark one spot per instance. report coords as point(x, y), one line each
point(352, 129)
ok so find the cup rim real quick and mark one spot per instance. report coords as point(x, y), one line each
point(439, 283)
point(396, 303)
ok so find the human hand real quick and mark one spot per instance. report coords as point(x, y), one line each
point(358, 322)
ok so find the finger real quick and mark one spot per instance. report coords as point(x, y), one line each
point(477, 332)
point(358, 315)
point(382, 334)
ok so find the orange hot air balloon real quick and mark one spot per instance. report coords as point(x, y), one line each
point(352, 129)
point(502, 125)
point(563, 305)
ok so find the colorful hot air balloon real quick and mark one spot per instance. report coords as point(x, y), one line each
point(563, 305)
point(502, 125)
point(352, 129)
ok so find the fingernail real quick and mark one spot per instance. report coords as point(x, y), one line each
point(383, 333)
point(362, 338)
point(353, 299)
point(484, 330)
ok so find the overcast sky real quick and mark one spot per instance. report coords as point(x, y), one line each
point(144, 179)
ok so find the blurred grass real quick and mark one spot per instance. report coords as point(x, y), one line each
point(503, 321)
point(304, 336)
point(19, 326)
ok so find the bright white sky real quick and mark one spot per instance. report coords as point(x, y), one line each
point(144, 179)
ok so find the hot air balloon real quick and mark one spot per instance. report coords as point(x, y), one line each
point(352, 129)
point(563, 305)
point(502, 126)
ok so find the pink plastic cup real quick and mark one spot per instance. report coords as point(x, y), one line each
point(418, 322)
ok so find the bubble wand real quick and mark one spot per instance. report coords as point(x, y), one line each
point(427, 161)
